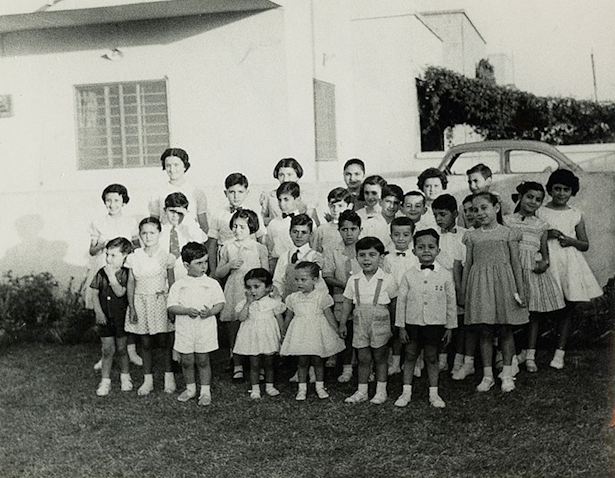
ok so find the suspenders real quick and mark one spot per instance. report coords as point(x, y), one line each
point(376, 293)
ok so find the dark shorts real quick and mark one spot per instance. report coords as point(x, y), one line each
point(426, 334)
point(112, 329)
point(460, 320)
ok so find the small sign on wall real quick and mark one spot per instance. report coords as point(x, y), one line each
point(6, 107)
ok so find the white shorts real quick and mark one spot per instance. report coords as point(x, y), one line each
point(195, 336)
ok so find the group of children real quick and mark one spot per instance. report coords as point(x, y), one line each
point(381, 275)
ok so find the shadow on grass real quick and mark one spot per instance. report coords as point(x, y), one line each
point(553, 425)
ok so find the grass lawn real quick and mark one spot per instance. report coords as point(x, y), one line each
point(53, 424)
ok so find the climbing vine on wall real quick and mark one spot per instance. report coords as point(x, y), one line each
point(447, 98)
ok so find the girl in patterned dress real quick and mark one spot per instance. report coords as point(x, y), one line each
point(567, 242)
point(147, 291)
point(259, 334)
point(311, 329)
point(543, 294)
point(492, 286)
point(237, 257)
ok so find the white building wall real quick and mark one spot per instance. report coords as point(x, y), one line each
point(390, 53)
point(240, 93)
point(228, 107)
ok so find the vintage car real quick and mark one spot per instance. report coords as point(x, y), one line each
point(515, 161)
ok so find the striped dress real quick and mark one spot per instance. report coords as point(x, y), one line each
point(541, 290)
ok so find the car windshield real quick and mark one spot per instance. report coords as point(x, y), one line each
point(465, 161)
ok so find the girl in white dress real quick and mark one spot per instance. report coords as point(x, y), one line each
point(311, 328)
point(259, 334)
point(147, 292)
point(567, 241)
point(237, 257)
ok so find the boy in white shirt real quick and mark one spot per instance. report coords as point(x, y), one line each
point(370, 296)
point(340, 263)
point(426, 307)
point(278, 237)
point(415, 207)
point(284, 275)
point(397, 262)
point(452, 257)
point(236, 190)
point(327, 234)
point(177, 232)
point(195, 300)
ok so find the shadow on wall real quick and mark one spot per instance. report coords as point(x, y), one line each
point(35, 254)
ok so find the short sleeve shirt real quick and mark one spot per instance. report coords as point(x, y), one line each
point(367, 288)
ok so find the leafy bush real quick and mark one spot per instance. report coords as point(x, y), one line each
point(34, 309)
point(447, 99)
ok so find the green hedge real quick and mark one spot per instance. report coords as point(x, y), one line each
point(447, 99)
point(33, 308)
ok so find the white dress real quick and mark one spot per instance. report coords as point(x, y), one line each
point(309, 333)
point(260, 333)
point(568, 264)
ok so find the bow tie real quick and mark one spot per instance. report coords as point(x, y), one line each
point(400, 253)
point(290, 214)
point(427, 266)
point(235, 209)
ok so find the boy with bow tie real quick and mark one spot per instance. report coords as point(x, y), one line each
point(426, 313)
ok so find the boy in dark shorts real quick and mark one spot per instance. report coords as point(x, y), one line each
point(110, 304)
point(426, 313)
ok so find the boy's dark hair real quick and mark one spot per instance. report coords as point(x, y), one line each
point(311, 267)
point(340, 194)
point(485, 171)
point(150, 220)
point(259, 274)
point(302, 220)
point(356, 161)
point(565, 177)
point(431, 173)
point(402, 221)
point(414, 193)
point(250, 216)
point(445, 202)
point(494, 200)
point(234, 179)
point(467, 199)
point(178, 152)
point(370, 242)
point(288, 163)
point(176, 199)
point(288, 187)
point(118, 189)
point(192, 251)
point(121, 243)
point(374, 180)
point(427, 232)
point(349, 216)
point(393, 190)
